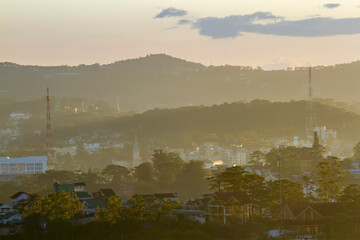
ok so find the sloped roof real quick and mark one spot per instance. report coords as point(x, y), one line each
point(8, 215)
point(66, 187)
point(242, 197)
point(165, 195)
point(83, 195)
point(94, 203)
point(78, 184)
point(16, 195)
point(324, 209)
point(4, 204)
point(107, 192)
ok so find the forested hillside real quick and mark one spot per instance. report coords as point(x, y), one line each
point(163, 81)
point(226, 123)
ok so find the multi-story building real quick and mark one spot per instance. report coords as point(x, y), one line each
point(26, 165)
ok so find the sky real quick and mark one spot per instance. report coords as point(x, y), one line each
point(272, 34)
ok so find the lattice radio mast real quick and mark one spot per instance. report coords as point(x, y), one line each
point(310, 113)
point(49, 142)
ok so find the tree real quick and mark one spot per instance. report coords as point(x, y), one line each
point(167, 166)
point(118, 214)
point(351, 193)
point(191, 180)
point(309, 187)
point(257, 157)
point(329, 179)
point(114, 211)
point(232, 179)
point(145, 172)
point(56, 207)
point(291, 192)
point(292, 159)
point(119, 176)
point(356, 151)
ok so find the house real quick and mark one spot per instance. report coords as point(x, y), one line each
point(78, 188)
point(19, 197)
point(104, 194)
point(159, 197)
point(227, 206)
point(312, 217)
point(4, 208)
point(91, 206)
point(196, 204)
point(166, 196)
point(11, 218)
point(312, 211)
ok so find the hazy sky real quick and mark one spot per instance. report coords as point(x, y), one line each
point(268, 33)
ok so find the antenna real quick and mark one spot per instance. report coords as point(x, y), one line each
point(310, 113)
point(49, 143)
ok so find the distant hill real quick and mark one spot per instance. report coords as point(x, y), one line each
point(245, 121)
point(165, 82)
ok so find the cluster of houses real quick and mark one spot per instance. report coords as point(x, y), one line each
point(218, 207)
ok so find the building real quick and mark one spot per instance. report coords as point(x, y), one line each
point(10, 218)
point(19, 197)
point(26, 165)
point(224, 207)
point(197, 204)
point(158, 198)
point(4, 208)
point(78, 188)
point(91, 206)
point(66, 150)
point(326, 135)
point(313, 218)
point(104, 194)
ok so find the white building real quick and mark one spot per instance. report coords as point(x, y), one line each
point(26, 165)
point(92, 147)
point(65, 150)
point(20, 116)
point(325, 135)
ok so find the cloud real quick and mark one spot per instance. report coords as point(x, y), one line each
point(183, 21)
point(331, 5)
point(237, 25)
point(171, 12)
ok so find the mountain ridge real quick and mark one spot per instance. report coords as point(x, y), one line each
point(162, 81)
